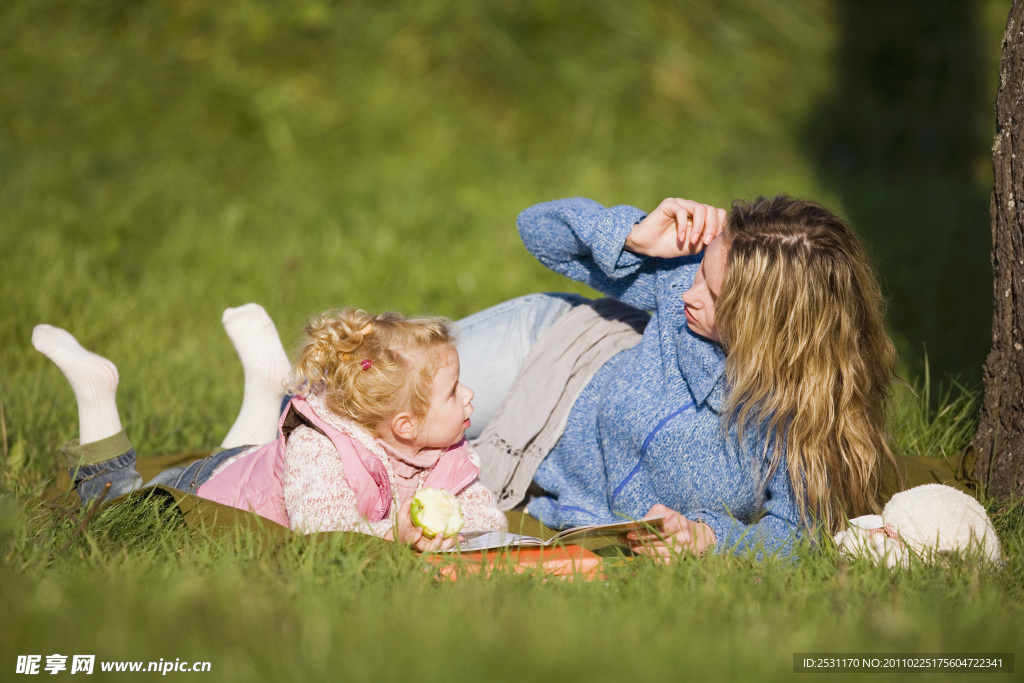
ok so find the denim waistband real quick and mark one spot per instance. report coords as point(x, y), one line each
point(76, 454)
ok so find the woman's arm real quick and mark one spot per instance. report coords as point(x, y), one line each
point(678, 535)
point(678, 227)
point(776, 532)
point(617, 250)
point(778, 529)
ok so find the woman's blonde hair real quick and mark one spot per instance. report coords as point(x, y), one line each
point(371, 368)
point(801, 319)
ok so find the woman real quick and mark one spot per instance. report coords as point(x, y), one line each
point(752, 406)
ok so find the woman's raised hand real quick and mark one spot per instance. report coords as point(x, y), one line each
point(678, 227)
point(678, 535)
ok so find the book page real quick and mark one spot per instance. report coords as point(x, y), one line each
point(484, 540)
point(613, 529)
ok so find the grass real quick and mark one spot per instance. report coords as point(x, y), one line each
point(143, 588)
point(936, 426)
point(163, 161)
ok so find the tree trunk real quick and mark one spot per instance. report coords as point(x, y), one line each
point(999, 442)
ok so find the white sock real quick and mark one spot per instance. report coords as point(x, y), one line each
point(266, 369)
point(93, 379)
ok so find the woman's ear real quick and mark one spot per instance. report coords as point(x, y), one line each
point(405, 426)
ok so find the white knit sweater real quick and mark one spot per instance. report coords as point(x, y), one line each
point(318, 498)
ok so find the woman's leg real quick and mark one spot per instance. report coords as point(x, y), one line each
point(266, 369)
point(103, 453)
point(494, 342)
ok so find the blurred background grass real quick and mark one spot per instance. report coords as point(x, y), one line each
point(164, 160)
point(161, 161)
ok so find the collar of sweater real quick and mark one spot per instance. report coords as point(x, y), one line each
point(424, 460)
point(703, 369)
point(318, 403)
point(701, 362)
point(410, 471)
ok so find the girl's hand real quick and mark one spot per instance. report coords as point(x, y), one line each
point(413, 535)
point(680, 536)
point(678, 227)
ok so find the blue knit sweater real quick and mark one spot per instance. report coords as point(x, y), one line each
point(646, 429)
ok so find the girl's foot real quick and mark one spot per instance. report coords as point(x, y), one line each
point(266, 369)
point(93, 379)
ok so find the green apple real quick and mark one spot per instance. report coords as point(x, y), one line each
point(436, 512)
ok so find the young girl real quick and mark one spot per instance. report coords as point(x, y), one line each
point(377, 413)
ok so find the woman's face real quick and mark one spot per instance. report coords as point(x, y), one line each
point(701, 297)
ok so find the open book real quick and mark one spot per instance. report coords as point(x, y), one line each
point(482, 540)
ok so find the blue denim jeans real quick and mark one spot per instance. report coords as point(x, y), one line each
point(119, 471)
point(494, 342)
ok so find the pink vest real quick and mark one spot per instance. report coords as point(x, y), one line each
point(255, 482)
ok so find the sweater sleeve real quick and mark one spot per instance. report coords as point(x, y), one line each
point(480, 509)
point(775, 533)
point(584, 241)
point(316, 494)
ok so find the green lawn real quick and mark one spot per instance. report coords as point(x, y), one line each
point(162, 161)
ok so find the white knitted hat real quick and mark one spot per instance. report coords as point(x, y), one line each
point(930, 521)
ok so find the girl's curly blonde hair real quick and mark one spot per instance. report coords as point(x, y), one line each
point(801, 319)
point(370, 368)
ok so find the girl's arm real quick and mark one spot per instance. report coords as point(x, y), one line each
point(480, 509)
point(617, 251)
point(316, 494)
point(318, 498)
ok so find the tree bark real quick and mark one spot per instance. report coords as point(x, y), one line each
point(999, 441)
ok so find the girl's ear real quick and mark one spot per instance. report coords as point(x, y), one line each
point(405, 426)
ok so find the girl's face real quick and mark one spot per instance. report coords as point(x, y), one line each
point(450, 405)
point(701, 297)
